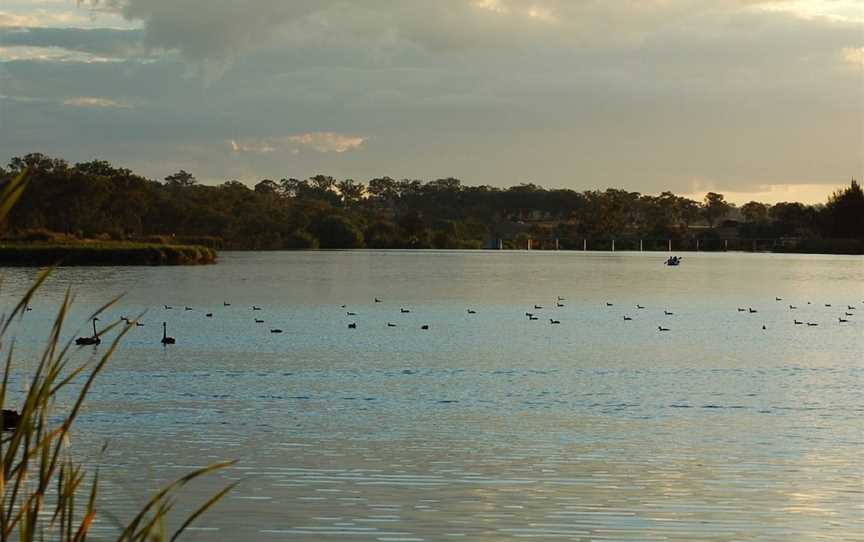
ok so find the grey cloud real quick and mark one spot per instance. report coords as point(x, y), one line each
point(100, 41)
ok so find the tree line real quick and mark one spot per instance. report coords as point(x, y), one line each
point(96, 199)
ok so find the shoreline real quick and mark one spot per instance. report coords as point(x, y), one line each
point(15, 254)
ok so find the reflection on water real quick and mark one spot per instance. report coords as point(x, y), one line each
point(487, 425)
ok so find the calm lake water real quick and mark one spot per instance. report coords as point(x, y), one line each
point(486, 426)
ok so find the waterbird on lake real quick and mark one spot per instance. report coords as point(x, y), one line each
point(538, 307)
point(850, 307)
point(778, 299)
point(424, 326)
point(551, 321)
point(257, 321)
point(627, 318)
point(848, 314)
point(209, 315)
point(751, 310)
point(741, 310)
point(532, 317)
point(792, 307)
point(226, 304)
point(561, 298)
point(667, 313)
point(827, 304)
point(256, 308)
point(608, 304)
point(391, 324)
point(11, 419)
point(763, 327)
point(89, 340)
point(529, 314)
point(187, 308)
point(352, 325)
point(559, 305)
point(471, 311)
point(661, 328)
point(275, 330)
point(639, 306)
point(797, 323)
point(842, 320)
point(28, 308)
point(349, 313)
point(139, 324)
point(812, 324)
point(168, 307)
point(165, 338)
point(124, 319)
point(403, 310)
point(377, 300)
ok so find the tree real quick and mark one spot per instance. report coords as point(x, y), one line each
point(714, 207)
point(336, 231)
point(351, 191)
point(267, 186)
point(755, 212)
point(845, 212)
point(181, 179)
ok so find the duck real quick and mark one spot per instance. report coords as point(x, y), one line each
point(275, 330)
point(848, 314)
point(424, 326)
point(529, 314)
point(349, 313)
point(256, 308)
point(84, 341)
point(552, 321)
point(561, 298)
point(168, 307)
point(559, 305)
point(403, 310)
point(139, 324)
point(259, 321)
point(377, 300)
point(661, 328)
point(538, 307)
point(842, 320)
point(125, 320)
point(391, 324)
point(209, 315)
point(532, 317)
point(812, 324)
point(668, 313)
point(827, 304)
point(609, 304)
point(471, 311)
point(352, 325)
point(639, 306)
point(187, 308)
point(850, 307)
point(792, 307)
point(11, 419)
point(627, 318)
point(226, 304)
point(751, 310)
point(741, 310)
point(778, 299)
point(797, 322)
point(165, 338)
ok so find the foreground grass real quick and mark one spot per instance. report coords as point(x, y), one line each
point(43, 491)
point(16, 253)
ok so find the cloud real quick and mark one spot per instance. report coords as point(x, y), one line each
point(328, 141)
point(322, 142)
point(854, 56)
point(92, 101)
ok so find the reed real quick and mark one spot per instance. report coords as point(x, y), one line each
point(44, 493)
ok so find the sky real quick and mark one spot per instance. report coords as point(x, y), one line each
point(757, 99)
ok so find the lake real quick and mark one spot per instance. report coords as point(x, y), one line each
point(486, 426)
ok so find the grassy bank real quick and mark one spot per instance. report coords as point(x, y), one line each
point(103, 253)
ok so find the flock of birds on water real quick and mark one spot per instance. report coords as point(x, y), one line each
point(532, 316)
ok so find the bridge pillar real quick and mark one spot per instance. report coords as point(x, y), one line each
point(640, 245)
point(670, 245)
point(584, 244)
point(557, 244)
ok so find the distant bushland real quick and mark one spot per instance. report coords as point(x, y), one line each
point(98, 200)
